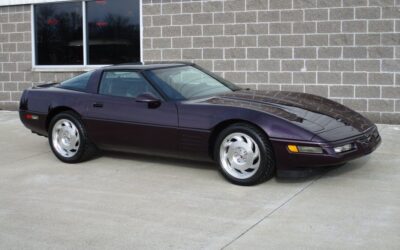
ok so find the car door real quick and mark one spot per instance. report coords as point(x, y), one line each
point(118, 121)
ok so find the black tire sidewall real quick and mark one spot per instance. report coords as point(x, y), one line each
point(257, 137)
point(78, 124)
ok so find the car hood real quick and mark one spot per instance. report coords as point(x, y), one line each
point(316, 114)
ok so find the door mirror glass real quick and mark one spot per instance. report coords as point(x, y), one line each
point(150, 99)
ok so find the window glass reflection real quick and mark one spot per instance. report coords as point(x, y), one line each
point(113, 31)
point(78, 82)
point(59, 34)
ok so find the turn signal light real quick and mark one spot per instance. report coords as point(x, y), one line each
point(293, 148)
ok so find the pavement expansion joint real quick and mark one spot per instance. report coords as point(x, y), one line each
point(273, 211)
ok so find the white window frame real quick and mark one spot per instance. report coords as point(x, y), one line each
point(85, 66)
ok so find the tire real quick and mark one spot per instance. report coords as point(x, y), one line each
point(68, 138)
point(244, 154)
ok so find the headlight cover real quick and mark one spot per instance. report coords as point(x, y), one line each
point(344, 148)
point(308, 149)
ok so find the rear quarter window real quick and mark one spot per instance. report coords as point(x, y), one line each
point(78, 82)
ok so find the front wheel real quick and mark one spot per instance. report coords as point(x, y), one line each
point(244, 154)
point(68, 139)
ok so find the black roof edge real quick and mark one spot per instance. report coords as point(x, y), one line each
point(170, 62)
point(130, 63)
point(155, 62)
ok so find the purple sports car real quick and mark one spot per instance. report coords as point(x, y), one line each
point(181, 110)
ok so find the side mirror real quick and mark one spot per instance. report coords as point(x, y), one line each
point(152, 101)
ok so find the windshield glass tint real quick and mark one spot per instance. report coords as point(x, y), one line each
point(78, 82)
point(187, 82)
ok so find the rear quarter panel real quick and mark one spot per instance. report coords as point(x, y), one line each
point(42, 102)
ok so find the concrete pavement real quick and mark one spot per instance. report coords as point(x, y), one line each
point(122, 201)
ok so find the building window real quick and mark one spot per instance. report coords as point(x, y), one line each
point(59, 34)
point(87, 33)
point(113, 31)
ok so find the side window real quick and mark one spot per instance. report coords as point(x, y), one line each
point(125, 84)
point(78, 82)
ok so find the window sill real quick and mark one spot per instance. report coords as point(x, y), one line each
point(67, 68)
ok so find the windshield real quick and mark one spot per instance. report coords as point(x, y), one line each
point(187, 82)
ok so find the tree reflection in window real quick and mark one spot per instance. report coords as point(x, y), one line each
point(59, 34)
point(113, 31)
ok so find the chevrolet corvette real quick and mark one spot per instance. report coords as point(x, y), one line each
point(182, 110)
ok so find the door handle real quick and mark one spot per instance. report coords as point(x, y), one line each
point(97, 105)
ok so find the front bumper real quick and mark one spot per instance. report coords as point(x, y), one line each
point(364, 144)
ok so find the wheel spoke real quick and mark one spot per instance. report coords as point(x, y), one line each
point(65, 138)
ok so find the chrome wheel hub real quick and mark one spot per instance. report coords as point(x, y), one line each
point(65, 138)
point(240, 155)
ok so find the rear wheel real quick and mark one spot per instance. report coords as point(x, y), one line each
point(68, 139)
point(244, 154)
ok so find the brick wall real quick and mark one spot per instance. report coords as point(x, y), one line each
point(347, 50)
point(16, 57)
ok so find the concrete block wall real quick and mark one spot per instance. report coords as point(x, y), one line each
point(346, 50)
point(16, 57)
point(15, 54)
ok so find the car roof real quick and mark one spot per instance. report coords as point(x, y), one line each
point(147, 66)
